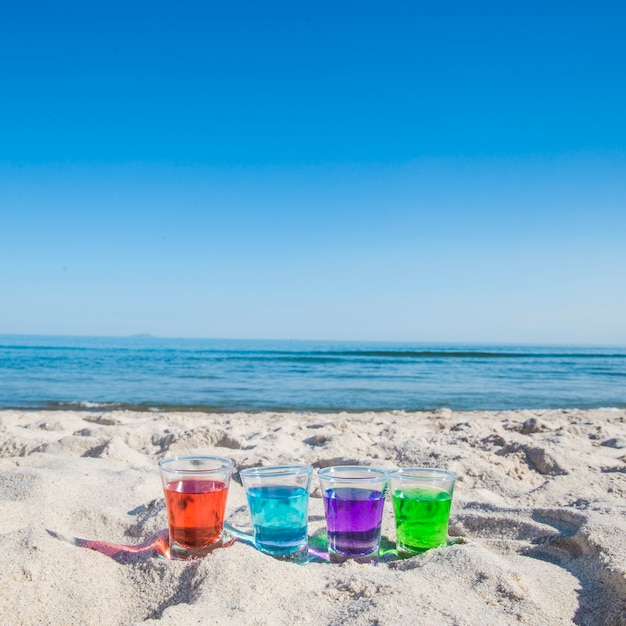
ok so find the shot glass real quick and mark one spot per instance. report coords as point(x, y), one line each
point(354, 498)
point(421, 503)
point(278, 498)
point(196, 488)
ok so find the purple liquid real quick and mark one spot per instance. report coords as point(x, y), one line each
point(353, 518)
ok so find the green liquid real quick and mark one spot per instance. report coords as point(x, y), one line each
point(422, 515)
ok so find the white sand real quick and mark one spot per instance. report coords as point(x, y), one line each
point(539, 519)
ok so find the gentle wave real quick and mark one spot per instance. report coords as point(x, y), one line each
point(273, 408)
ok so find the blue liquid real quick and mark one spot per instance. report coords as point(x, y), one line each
point(279, 517)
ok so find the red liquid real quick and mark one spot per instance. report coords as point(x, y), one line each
point(195, 511)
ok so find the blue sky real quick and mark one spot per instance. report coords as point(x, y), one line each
point(410, 171)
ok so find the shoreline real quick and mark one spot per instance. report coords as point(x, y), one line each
point(537, 531)
point(110, 407)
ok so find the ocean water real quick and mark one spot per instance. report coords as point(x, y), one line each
point(149, 373)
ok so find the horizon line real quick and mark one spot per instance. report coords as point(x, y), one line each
point(300, 340)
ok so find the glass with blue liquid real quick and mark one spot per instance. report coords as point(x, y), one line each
point(278, 497)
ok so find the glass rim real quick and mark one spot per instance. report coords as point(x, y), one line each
point(226, 464)
point(276, 470)
point(431, 474)
point(369, 473)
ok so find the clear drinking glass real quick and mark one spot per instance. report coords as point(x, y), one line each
point(422, 498)
point(354, 498)
point(196, 488)
point(278, 497)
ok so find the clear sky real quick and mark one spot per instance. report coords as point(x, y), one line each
point(413, 171)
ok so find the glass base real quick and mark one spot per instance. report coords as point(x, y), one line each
point(338, 557)
point(184, 553)
point(405, 551)
point(274, 550)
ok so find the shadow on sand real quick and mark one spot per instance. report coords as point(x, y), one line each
point(157, 546)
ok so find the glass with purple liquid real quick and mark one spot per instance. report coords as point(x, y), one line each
point(354, 498)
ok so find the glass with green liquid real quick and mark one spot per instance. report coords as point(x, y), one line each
point(421, 503)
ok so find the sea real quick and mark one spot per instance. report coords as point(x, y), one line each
point(152, 374)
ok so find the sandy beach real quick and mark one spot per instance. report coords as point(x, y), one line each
point(537, 531)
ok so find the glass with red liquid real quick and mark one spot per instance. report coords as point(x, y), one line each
point(354, 498)
point(195, 489)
